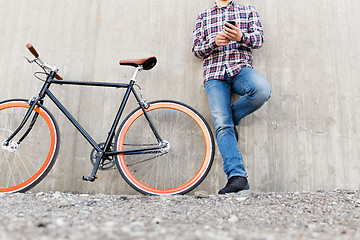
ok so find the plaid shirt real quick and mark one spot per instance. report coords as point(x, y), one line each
point(234, 56)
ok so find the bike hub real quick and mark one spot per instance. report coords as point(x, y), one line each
point(10, 146)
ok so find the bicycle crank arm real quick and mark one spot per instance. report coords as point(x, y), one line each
point(90, 178)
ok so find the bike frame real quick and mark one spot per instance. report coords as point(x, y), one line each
point(105, 151)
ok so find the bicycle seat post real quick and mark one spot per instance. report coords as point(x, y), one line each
point(137, 70)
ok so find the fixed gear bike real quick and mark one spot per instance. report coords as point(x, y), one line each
point(161, 148)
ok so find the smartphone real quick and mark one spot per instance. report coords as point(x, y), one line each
point(231, 22)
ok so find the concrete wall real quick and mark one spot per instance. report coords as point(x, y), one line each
point(307, 137)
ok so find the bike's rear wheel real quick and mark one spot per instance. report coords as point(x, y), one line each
point(176, 170)
point(23, 167)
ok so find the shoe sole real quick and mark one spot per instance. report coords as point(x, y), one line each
point(244, 191)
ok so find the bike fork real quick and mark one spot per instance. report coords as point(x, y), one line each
point(8, 142)
point(32, 102)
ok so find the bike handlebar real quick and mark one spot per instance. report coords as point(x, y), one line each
point(36, 55)
point(32, 50)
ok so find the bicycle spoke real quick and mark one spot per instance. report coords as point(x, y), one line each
point(148, 172)
point(23, 162)
point(143, 168)
point(144, 160)
point(19, 171)
point(11, 174)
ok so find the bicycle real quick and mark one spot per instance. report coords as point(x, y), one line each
point(161, 148)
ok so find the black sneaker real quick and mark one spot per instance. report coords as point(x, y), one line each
point(236, 184)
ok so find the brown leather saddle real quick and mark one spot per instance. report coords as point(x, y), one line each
point(146, 63)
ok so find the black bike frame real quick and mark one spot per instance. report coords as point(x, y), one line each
point(105, 151)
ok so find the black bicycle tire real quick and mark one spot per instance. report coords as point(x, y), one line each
point(212, 154)
point(57, 146)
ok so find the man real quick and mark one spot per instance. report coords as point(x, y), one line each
point(225, 48)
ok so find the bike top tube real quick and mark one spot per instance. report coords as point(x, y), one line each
point(94, 84)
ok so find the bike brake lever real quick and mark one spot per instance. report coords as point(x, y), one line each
point(30, 60)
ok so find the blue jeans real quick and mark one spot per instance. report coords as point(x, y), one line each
point(254, 90)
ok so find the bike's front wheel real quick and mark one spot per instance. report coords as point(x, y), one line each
point(24, 164)
point(184, 159)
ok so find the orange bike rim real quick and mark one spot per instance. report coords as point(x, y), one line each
point(186, 185)
point(52, 147)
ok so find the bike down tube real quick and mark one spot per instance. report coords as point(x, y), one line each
point(73, 120)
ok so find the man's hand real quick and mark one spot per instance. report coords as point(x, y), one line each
point(232, 32)
point(221, 40)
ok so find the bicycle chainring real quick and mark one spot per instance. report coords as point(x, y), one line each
point(107, 163)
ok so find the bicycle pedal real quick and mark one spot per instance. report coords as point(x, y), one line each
point(89, 178)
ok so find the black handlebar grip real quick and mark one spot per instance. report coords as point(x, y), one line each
point(32, 50)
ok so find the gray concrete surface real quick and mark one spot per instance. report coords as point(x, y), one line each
point(305, 138)
point(331, 215)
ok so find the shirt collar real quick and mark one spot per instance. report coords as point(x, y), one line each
point(217, 6)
